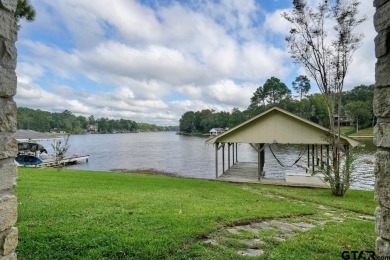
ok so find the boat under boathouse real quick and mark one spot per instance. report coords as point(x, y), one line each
point(274, 126)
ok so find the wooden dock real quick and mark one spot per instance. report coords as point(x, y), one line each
point(245, 172)
point(68, 160)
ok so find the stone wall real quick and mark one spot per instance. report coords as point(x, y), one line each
point(382, 129)
point(8, 145)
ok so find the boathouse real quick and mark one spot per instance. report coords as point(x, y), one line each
point(274, 126)
point(216, 131)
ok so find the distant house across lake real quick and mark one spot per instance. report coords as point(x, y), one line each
point(92, 128)
point(216, 131)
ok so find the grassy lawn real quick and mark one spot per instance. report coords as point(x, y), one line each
point(362, 132)
point(94, 215)
point(354, 200)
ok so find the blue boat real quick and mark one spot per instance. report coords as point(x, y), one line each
point(28, 160)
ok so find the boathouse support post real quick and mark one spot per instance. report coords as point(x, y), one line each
point(312, 158)
point(229, 144)
point(236, 152)
point(258, 162)
point(233, 154)
point(327, 160)
point(216, 160)
point(262, 159)
point(308, 157)
point(223, 157)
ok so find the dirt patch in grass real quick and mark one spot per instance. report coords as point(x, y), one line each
point(149, 171)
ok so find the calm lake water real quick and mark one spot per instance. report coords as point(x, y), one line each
point(190, 156)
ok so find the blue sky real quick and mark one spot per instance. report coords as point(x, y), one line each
point(151, 61)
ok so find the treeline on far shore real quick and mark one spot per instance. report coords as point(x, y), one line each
point(66, 121)
point(357, 110)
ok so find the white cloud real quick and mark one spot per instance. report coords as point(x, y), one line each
point(228, 93)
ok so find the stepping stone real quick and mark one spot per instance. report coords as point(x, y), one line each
point(328, 214)
point(262, 225)
point(338, 219)
point(251, 252)
point(280, 239)
point(321, 222)
point(249, 228)
point(288, 235)
point(304, 226)
point(321, 207)
point(284, 226)
point(253, 242)
point(211, 242)
point(367, 217)
point(233, 231)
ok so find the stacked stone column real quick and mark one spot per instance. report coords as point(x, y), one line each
point(8, 145)
point(382, 129)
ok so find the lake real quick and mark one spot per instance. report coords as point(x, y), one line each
point(190, 157)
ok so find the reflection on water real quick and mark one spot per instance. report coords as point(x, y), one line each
point(191, 157)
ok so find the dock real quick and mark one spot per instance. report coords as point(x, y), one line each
point(68, 160)
point(245, 172)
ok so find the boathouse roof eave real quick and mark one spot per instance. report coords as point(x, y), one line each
point(237, 134)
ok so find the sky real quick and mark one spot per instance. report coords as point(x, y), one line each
point(151, 61)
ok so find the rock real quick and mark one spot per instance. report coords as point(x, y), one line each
point(382, 68)
point(10, 241)
point(381, 17)
point(9, 5)
point(382, 43)
point(382, 135)
point(382, 172)
point(7, 82)
point(9, 211)
point(382, 225)
point(9, 257)
point(8, 28)
point(8, 146)
point(8, 176)
point(7, 115)
point(381, 103)
point(382, 247)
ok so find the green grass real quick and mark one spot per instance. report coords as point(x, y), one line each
point(347, 131)
point(94, 215)
point(355, 200)
point(364, 132)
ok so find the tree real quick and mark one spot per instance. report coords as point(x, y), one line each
point(187, 122)
point(360, 112)
point(24, 10)
point(259, 97)
point(275, 90)
point(301, 85)
point(326, 57)
point(236, 118)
